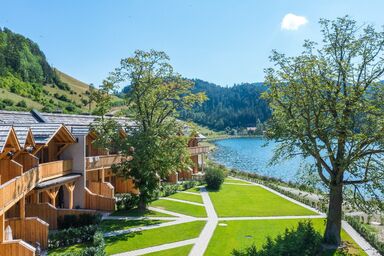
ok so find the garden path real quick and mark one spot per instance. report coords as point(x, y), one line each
point(201, 243)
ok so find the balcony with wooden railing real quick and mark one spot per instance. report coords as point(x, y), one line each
point(198, 150)
point(102, 188)
point(99, 202)
point(99, 162)
point(50, 214)
point(16, 248)
point(14, 189)
point(30, 229)
point(54, 169)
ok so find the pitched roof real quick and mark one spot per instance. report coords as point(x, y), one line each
point(4, 133)
point(22, 133)
point(16, 117)
point(34, 117)
point(43, 133)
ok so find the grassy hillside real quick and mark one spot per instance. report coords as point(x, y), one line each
point(27, 80)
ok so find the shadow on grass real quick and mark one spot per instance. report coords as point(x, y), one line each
point(133, 213)
point(110, 241)
point(112, 225)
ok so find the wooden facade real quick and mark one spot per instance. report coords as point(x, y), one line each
point(42, 175)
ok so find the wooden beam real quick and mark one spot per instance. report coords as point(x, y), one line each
point(70, 187)
point(62, 149)
point(2, 227)
point(22, 207)
point(52, 193)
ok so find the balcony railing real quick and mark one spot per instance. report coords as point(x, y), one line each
point(17, 248)
point(198, 150)
point(14, 189)
point(30, 229)
point(54, 169)
point(98, 202)
point(106, 161)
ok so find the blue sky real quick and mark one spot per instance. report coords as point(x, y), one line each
point(220, 41)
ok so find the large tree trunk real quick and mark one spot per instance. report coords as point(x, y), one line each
point(142, 203)
point(333, 229)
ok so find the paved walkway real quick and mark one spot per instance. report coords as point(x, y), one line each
point(201, 243)
point(207, 233)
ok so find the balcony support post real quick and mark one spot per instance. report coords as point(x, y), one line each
point(52, 193)
point(2, 227)
point(22, 208)
point(70, 187)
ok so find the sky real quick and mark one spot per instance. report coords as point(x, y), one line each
point(221, 41)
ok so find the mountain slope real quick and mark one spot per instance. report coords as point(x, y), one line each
point(238, 106)
point(27, 80)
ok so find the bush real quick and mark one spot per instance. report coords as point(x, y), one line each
point(71, 236)
point(169, 189)
point(370, 236)
point(127, 201)
point(22, 104)
point(302, 241)
point(8, 102)
point(73, 221)
point(214, 177)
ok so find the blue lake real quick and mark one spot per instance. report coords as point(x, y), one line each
point(253, 155)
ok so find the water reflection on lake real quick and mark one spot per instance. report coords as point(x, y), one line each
point(252, 155)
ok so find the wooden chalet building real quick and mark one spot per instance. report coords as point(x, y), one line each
point(50, 168)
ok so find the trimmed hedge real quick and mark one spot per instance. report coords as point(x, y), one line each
point(214, 177)
point(370, 236)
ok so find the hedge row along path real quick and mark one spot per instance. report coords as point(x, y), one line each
point(200, 243)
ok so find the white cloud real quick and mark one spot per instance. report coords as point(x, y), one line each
point(293, 22)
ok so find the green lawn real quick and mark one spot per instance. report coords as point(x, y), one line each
point(236, 200)
point(187, 197)
point(67, 250)
point(179, 251)
point(235, 181)
point(112, 225)
point(183, 208)
point(241, 234)
point(194, 190)
point(153, 237)
point(135, 213)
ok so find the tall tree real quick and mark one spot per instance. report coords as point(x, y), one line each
point(327, 104)
point(154, 95)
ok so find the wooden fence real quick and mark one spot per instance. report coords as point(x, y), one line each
point(16, 248)
point(54, 169)
point(98, 202)
point(102, 188)
point(30, 229)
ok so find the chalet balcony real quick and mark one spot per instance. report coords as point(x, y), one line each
point(54, 169)
point(31, 230)
point(105, 161)
point(198, 150)
point(17, 248)
point(12, 190)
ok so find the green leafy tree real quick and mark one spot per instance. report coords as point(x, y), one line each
point(327, 104)
point(154, 95)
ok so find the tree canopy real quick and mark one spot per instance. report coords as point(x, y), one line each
point(327, 104)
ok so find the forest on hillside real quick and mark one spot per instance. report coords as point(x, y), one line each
point(238, 106)
point(28, 81)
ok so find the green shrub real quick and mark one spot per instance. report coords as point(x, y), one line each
point(8, 102)
point(22, 104)
point(71, 236)
point(168, 189)
point(214, 177)
point(302, 241)
point(127, 201)
point(73, 221)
